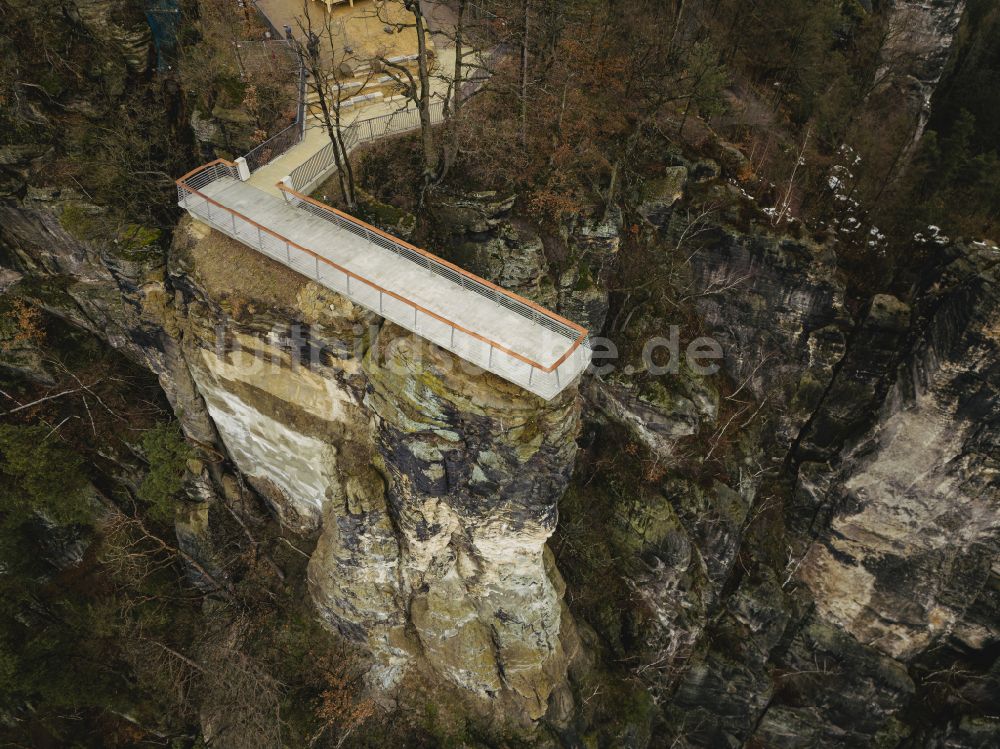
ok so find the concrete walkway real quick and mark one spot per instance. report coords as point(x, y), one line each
point(481, 323)
point(439, 16)
point(484, 326)
point(316, 137)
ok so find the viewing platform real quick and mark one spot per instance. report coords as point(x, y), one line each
point(262, 201)
point(478, 321)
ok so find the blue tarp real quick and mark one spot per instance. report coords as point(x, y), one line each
point(163, 17)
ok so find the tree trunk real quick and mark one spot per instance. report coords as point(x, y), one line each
point(424, 96)
point(678, 20)
point(453, 105)
point(524, 74)
point(684, 118)
point(612, 189)
point(332, 130)
point(458, 75)
point(342, 158)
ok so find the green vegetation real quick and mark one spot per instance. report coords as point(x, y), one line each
point(110, 633)
point(83, 224)
point(167, 453)
point(31, 487)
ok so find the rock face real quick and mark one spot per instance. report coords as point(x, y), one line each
point(565, 273)
point(120, 23)
point(777, 309)
point(430, 491)
point(914, 508)
point(433, 489)
point(916, 54)
point(473, 468)
point(799, 551)
point(895, 502)
point(277, 368)
point(884, 552)
point(902, 519)
point(664, 193)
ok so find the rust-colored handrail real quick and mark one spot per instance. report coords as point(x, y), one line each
point(181, 182)
point(431, 256)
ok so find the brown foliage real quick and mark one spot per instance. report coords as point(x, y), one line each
point(340, 709)
point(28, 330)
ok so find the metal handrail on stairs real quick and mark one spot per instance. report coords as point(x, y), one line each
point(353, 135)
point(281, 142)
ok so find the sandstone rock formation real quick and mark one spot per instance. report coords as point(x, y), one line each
point(800, 550)
point(433, 489)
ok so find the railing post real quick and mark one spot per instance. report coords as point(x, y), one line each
point(260, 239)
point(233, 215)
point(380, 301)
point(453, 336)
point(288, 252)
point(414, 319)
point(531, 373)
point(287, 182)
point(316, 258)
point(490, 360)
point(242, 169)
point(348, 277)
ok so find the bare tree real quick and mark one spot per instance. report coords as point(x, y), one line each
point(785, 205)
point(136, 551)
point(477, 50)
point(329, 65)
point(417, 90)
point(458, 77)
point(241, 704)
point(524, 71)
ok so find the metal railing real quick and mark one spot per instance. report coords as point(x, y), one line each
point(267, 21)
point(292, 135)
point(316, 166)
point(193, 181)
point(360, 131)
point(274, 147)
point(436, 265)
point(543, 379)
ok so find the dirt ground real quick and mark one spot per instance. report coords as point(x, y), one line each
point(360, 28)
